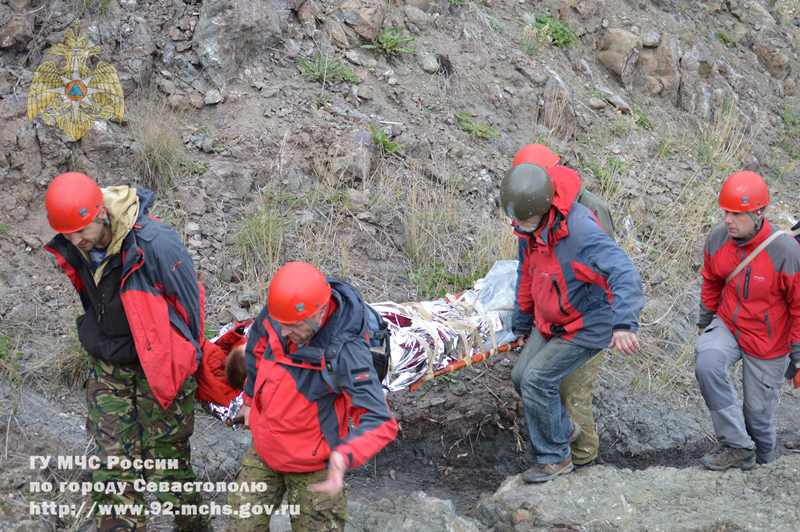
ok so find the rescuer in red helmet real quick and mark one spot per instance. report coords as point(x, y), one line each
point(142, 326)
point(315, 373)
point(752, 315)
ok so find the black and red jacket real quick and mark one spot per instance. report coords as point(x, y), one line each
point(148, 292)
point(297, 415)
point(761, 305)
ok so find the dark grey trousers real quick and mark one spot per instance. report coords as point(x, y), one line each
point(752, 425)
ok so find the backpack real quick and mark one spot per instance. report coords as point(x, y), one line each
point(379, 336)
point(379, 341)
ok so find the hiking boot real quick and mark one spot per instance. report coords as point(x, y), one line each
point(545, 472)
point(590, 463)
point(724, 457)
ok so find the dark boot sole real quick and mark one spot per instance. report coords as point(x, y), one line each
point(743, 465)
point(545, 478)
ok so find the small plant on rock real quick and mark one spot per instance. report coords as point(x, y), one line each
point(534, 40)
point(594, 93)
point(321, 69)
point(790, 115)
point(191, 167)
point(82, 8)
point(389, 42)
point(641, 120)
point(788, 147)
point(158, 146)
point(664, 147)
point(560, 33)
point(725, 39)
point(475, 129)
point(383, 142)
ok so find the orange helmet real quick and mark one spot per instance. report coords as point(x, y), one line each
point(297, 291)
point(72, 202)
point(744, 192)
point(536, 154)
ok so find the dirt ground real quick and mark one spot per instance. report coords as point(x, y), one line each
point(461, 435)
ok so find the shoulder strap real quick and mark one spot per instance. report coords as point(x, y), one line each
point(755, 252)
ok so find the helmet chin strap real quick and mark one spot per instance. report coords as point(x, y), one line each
point(315, 326)
point(758, 220)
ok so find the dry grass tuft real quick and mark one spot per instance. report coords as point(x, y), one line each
point(449, 242)
point(64, 364)
point(261, 235)
point(158, 146)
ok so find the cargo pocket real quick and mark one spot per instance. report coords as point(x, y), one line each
point(332, 508)
point(768, 396)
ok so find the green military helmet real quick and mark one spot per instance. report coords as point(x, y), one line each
point(526, 191)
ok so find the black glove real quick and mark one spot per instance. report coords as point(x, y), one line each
point(791, 371)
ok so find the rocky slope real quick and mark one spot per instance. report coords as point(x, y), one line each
point(655, 102)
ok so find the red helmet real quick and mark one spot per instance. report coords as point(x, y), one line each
point(72, 202)
point(536, 154)
point(297, 291)
point(744, 192)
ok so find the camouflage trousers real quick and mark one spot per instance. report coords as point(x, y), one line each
point(576, 396)
point(133, 433)
point(307, 510)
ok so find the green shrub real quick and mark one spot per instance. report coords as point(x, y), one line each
point(320, 69)
point(725, 39)
point(475, 129)
point(641, 120)
point(383, 142)
point(561, 34)
point(790, 115)
point(389, 42)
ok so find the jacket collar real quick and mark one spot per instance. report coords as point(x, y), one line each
point(567, 184)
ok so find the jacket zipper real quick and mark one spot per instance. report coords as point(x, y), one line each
point(102, 307)
point(318, 446)
point(766, 320)
point(746, 290)
point(558, 295)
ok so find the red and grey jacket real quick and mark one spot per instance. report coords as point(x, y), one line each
point(158, 290)
point(761, 305)
point(297, 416)
point(574, 279)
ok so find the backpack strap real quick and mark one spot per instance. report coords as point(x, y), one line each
point(755, 252)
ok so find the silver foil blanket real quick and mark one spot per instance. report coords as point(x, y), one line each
point(431, 335)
